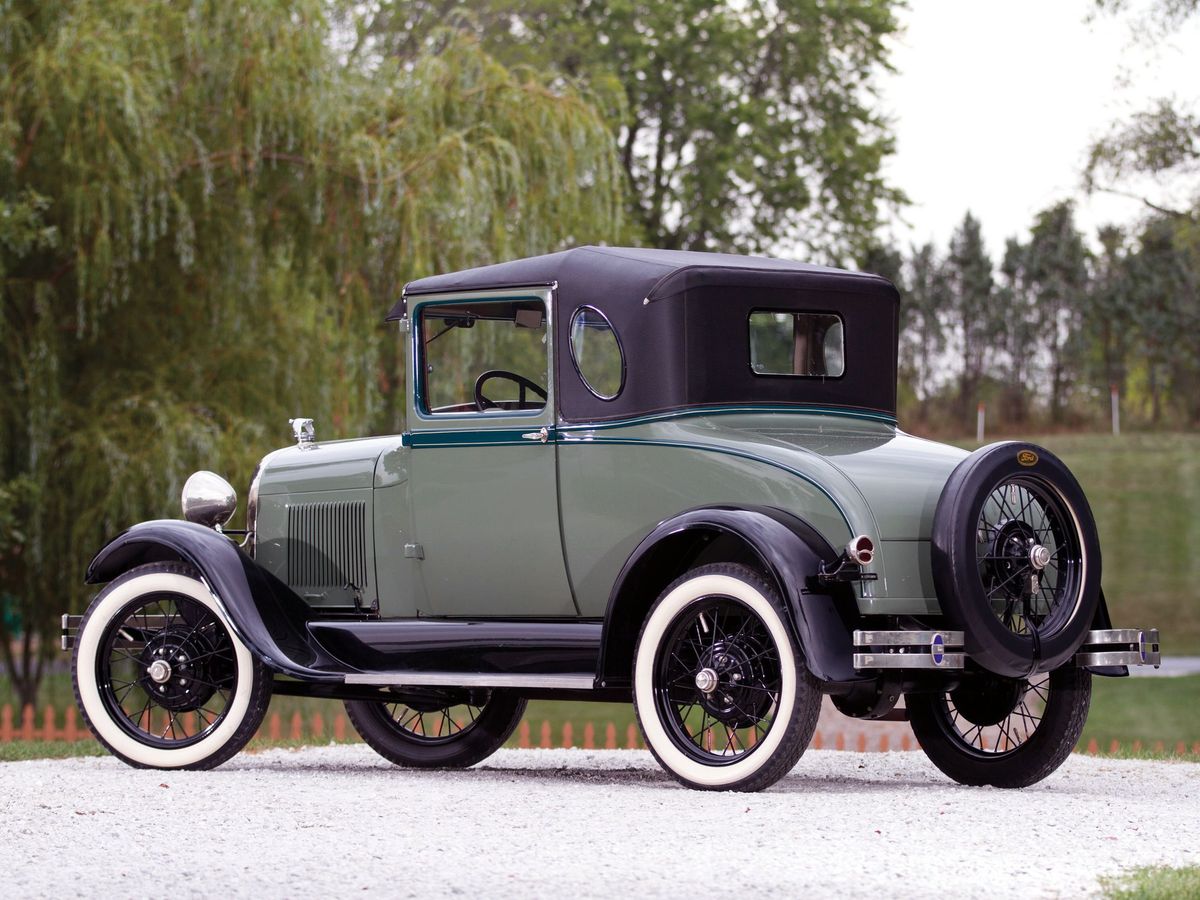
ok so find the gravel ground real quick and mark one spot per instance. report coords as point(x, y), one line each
point(332, 820)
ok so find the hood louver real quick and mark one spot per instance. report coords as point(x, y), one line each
point(327, 545)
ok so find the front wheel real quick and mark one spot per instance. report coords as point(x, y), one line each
point(721, 691)
point(454, 730)
point(161, 679)
point(1004, 732)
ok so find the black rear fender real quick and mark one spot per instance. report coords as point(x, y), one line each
point(782, 546)
point(266, 615)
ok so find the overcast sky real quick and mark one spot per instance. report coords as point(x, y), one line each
point(994, 105)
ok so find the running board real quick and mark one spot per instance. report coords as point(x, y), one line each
point(583, 682)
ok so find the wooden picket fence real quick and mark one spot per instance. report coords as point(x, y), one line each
point(51, 726)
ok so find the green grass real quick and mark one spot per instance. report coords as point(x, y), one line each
point(1144, 490)
point(16, 751)
point(1154, 883)
point(1146, 710)
point(1123, 709)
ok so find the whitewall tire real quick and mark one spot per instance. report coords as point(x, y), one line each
point(160, 676)
point(723, 696)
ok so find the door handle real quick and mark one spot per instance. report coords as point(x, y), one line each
point(542, 434)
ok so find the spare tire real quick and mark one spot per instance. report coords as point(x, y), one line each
point(1016, 559)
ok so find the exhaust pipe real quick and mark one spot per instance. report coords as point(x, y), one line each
point(861, 550)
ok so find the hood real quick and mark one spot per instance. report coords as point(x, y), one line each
point(326, 466)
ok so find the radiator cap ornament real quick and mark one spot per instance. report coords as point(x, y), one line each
point(305, 433)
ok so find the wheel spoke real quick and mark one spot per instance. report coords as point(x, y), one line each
point(729, 639)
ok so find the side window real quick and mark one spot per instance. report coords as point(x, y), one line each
point(596, 353)
point(806, 344)
point(482, 356)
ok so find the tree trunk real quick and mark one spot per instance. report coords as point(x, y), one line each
point(1155, 399)
point(25, 667)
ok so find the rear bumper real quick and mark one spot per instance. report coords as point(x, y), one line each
point(942, 650)
point(1120, 647)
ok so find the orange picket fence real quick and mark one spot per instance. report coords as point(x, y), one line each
point(50, 725)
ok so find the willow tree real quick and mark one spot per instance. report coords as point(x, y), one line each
point(749, 126)
point(205, 210)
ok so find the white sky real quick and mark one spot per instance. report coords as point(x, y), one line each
point(995, 103)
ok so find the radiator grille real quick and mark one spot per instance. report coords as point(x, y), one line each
point(327, 544)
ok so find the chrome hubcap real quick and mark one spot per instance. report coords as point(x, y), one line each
point(706, 681)
point(159, 671)
point(1039, 556)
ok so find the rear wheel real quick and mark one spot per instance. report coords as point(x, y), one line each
point(723, 696)
point(1003, 732)
point(451, 731)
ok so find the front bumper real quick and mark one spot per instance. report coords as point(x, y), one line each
point(942, 650)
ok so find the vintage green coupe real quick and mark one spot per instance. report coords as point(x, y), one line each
point(669, 478)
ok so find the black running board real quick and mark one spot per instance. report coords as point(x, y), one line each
point(557, 656)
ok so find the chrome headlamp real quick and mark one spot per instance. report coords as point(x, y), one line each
point(252, 508)
point(208, 499)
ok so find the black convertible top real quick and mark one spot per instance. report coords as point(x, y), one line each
point(630, 274)
point(693, 352)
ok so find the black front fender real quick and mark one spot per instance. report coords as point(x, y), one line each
point(786, 548)
point(266, 615)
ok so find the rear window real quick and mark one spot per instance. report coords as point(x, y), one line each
point(800, 344)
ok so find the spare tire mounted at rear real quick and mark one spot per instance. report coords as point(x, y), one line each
point(1016, 559)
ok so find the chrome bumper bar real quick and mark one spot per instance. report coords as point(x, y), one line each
point(908, 650)
point(943, 649)
point(1120, 647)
point(70, 626)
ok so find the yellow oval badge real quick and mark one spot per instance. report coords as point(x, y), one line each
point(1027, 458)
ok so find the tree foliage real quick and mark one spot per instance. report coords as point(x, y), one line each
point(1041, 336)
point(1160, 142)
point(748, 126)
point(204, 213)
point(969, 311)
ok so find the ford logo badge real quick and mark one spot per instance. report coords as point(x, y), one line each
point(937, 648)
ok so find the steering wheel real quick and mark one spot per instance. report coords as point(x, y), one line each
point(482, 402)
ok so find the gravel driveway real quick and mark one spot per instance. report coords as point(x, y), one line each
point(549, 823)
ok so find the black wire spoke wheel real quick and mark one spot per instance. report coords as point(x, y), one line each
point(166, 670)
point(999, 716)
point(434, 724)
point(453, 730)
point(1029, 555)
point(1003, 732)
point(719, 681)
point(721, 690)
point(161, 680)
point(1015, 559)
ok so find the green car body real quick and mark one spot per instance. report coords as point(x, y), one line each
point(589, 495)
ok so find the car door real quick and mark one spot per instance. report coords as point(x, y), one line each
point(484, 480)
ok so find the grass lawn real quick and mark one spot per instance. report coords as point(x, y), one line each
point(1146, 710)
point(1154, 883)
point(1123, 709)
point(16, 751)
